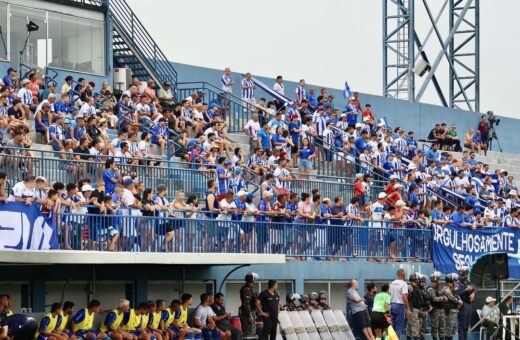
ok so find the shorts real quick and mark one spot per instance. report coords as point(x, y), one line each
point(378, 320)
point(359, 319)
point(305, 164)
point(174, 329)
point(135, 332)
point(164, 228)
point(294, 149)
point(112, 231)
point(43, 336)
point(55, 146)
point(83, 332)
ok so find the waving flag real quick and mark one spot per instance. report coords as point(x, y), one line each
point(382, 122)
point(347, 93)
point(282, 99)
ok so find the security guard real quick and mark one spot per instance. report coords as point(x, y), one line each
point(466, 291)
point(313, 301)
point(452, 306)
point(247, 310)
point(291, 302)
point(437, 301)
point(426, 307)
point(415, 298)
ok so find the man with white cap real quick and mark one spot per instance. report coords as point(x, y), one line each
point(511, 200)
point(491, 315)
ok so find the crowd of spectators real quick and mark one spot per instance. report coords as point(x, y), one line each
point(285, 138)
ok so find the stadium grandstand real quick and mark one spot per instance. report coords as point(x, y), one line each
point(131, 185)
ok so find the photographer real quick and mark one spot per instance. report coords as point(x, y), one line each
point(484, 127)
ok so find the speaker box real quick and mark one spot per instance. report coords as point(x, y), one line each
point(499, 266)
point(421, 67)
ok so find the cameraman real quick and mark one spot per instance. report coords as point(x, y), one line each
point(484, 127)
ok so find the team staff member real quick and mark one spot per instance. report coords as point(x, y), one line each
point(112, 325)
point(82, 322)
point(47, 327)
point(270, 302)
point(399, 306)
point(380, 310)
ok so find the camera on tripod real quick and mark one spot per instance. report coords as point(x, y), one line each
point(493, 120)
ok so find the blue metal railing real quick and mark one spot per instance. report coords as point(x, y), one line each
point(129, 232)
point(238, 112)
point(142, 45)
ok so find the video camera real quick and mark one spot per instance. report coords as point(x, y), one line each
point(493, 120)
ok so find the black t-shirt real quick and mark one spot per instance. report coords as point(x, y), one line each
point(270, 303)
point(93, 131)
point(145, 211)
point(334, 210)
point(84, 154)
point(98, 195)
point(224, 323)
point(431, 135)
point(16, 113)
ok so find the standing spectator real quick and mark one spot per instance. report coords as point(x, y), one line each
point(270, 302)
point(264, 139)
point(358, 308)
point(222, 318)
point(110, 176)
point(251, 129)
point(311, 98)
point(283, 178)
point(369, 296)
point(248, 90)
point(300, 93)
point(279, 88)
point(227, 89)
point(399, 307)
point(483, 128)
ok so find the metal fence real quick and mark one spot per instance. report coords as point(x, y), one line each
point(129, 232)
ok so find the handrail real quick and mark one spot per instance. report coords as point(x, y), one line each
point(129, 24)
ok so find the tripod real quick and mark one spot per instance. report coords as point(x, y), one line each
point(493, 135)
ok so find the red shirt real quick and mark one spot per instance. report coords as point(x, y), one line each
point(359, 189)
point(389, 188)
point(369, 115)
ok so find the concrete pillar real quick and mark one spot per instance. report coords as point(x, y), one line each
point(38, 295)
point(141, 290)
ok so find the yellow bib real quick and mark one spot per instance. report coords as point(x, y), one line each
point(87, 322)
point(51, 325)
point(183, 318)
point(134, 321)
point(116, 323)
point(62, 322)
point(169, 320)
point(156, 319)
point(144, 320)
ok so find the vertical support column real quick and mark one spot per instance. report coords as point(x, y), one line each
point(109, 51)
point(451, 76)
point(385, 53)
point(411, 53)
point(38, 295)
point(141, 290)
point(477, 55)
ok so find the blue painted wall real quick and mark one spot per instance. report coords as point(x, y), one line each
point(419, 118)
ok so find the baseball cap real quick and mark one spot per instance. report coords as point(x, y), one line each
point(25, 81)
point(490, 299)
point(10, 69)
point(87, 187)
point(381, 195)
point(242, 193)
point(359, 125)
point(128, 182)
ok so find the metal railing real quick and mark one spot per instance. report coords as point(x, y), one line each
point(237, 112)
point(130, 232)
point(141, 43)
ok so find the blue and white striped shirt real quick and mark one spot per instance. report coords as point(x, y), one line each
point(319, 122)
point(301, 94)
point(25, 96)
point(226, 86)
point(282, 172)
point(248, 93)
point(351, 210)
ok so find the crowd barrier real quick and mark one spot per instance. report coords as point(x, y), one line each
point(130, 232)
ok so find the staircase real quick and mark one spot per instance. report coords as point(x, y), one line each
point(135, 49)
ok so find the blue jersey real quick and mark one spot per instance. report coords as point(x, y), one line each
point(223, 183)
point(108, 175)
point(264, 138)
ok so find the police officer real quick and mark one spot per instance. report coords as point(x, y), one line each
point(304, 302)
point(322, 301)
point(415, 299)
point(313, 301)
point(466, 291)
point(291, 299)
point(426, 307)
point(437, 301)
point(247, 310)
point(452, 306)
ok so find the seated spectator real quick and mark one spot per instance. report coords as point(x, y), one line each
point(160, 135)
point(26, 97)
point(452, 138)
point(11, 79)
point(479, 143)
point(491, 315)
point(15, 115)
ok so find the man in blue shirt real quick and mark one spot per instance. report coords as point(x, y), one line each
point(61, 107)
point(160, 135)
point(10, 79)
point(432, 155)
point(263, 137)
point(412, 144)
point(457, 216)
point(110, 176)
point(313, 101)
point(361, 142)
point(223, 177)
point(388, 165)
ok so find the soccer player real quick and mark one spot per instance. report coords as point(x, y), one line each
point(113, 322)
point(47, 327)
point(82, 322)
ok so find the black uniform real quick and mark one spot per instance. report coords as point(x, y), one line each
point(247, 310)
point(270, 305)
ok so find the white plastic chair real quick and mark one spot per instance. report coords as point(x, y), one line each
point(483, 330)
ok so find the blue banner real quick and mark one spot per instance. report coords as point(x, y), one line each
point(454, 247)
point(24, 227)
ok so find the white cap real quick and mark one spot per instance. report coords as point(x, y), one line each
point(394, 177)
point(366, 118)
point(342, 115)
point(381, 124)
point(512, 192)
point(242, 193)
point(353, 98)
point(397, 185)
point(381, 195)
point(87, 187)
point(359, 176)
point(359, 125)
point(267, 193)
point(490, 299)
point(401, 203)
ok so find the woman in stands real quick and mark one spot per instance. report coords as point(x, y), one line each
point(147, 227)
point(305, 154)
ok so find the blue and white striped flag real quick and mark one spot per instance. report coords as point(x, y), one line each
point(382, 121)
point(347, 93)
point(282, 99)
